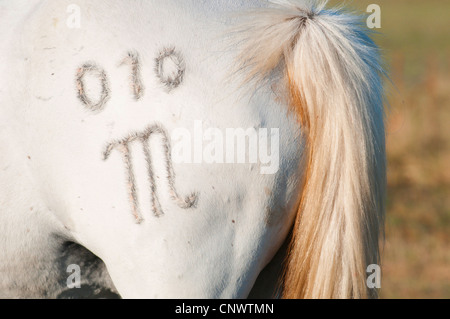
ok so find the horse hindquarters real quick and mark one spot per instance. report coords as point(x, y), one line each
point(34, 249)
point(98, 188)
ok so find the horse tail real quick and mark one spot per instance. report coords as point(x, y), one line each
point(334, 80)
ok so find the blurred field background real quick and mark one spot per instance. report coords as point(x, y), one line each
point(415, 38)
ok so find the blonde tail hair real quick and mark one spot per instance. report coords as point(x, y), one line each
point(334, 83)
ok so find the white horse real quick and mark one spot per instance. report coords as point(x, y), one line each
point(96, 99)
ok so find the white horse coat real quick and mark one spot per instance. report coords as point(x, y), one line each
point(76, 108)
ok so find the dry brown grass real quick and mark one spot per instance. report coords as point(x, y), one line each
point(416, 256)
